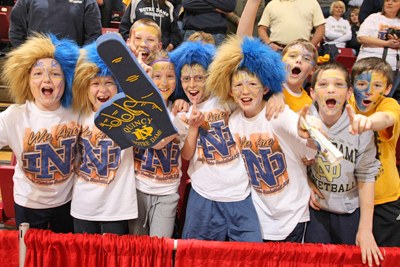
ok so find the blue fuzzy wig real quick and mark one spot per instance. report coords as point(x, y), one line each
point(190, 53)
point(66, 53)
point(248, 54)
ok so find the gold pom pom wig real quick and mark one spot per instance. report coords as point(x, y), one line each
point(248, 54)
point(16, 69)
point(89, 66)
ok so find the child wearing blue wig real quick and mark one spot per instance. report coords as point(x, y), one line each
point(245, 71)
point(104, 196)
point(41, 130)
point(219, 205)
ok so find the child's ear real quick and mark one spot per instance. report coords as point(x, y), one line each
point(349, 93)
point(159, 46)
point(388, 89)
point(312, 92)
point(266, 90)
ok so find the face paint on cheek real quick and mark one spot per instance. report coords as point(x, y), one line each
point(361, 88)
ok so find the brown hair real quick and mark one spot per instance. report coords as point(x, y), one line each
point(306, 44)
point(375, 64)
point(330, 66)
point(201, 36)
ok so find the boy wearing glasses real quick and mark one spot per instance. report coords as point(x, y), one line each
point(219, 206)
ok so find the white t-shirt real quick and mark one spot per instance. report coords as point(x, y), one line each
point(158, 171)
point(337, 32)
point(272, 152)
point(44, 144)
point(104, 189)
point(376, 25)
point(216, 170)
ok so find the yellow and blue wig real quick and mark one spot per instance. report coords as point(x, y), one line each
point(89, 66)
point(19, 62)
point(248, 54)
point(190, 53)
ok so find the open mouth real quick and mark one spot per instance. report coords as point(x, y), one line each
point(103, 99)
point(145, 54)
point(246, 100)
point(163, 89)
point(193, 93)
point(47, 91)
point(330, 103)
point(366, 102)
point(296, 71)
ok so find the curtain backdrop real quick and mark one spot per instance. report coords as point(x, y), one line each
point(45, 248)
point(212, 253)
point(9, 248)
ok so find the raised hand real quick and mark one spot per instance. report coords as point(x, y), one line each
point(196, 118)
point(358, 123)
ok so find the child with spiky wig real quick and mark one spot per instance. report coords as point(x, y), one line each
point(246, 71)
point(158, 171)
point(219, 205)
point(41, 130)
point(104, 196)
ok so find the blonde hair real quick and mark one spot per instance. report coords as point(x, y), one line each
point(337, 3)
point(16, 69)
point(306, 44)
point(84, 73)
point(201, 36)
point(225, 64)
point(146, 22)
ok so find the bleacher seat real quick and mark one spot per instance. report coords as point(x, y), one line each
point(5, 12)
point(346, 58)
point(107, 30)
point(7, 212)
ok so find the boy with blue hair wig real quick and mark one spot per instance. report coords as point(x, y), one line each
point(246, 71)
point(39, 74)
point(104, 196)
point(219, 205)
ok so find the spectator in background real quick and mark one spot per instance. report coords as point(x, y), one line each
point(161, 11)
point(355, 26)
point(369, 7)
point(373, 34)
point(289, 20)
point(207, 16)
point(326, 6)
point(337, 29)
point(106, 9)
point(234, 17)
point(350, 6)
point(76, 20)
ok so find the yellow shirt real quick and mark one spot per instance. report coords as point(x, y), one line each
point(387, 185)
point(126, 2)
point(296, 101)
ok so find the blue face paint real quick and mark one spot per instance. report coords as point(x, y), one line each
point(362, 87)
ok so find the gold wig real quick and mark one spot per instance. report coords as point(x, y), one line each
point(248, 54)
point(89, 66)
point(16, 69)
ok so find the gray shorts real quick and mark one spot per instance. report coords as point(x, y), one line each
point(156, 215)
